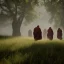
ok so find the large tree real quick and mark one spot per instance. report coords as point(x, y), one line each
point(17, 10)
point(56, 10)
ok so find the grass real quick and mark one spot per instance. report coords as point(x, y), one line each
point(24, 50)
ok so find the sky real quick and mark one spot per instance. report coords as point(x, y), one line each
point(42, 21)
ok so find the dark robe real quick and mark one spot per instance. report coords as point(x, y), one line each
point(50, 34)
point(37, 33)
point(59, 34)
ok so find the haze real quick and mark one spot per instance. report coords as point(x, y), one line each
point(42, 21)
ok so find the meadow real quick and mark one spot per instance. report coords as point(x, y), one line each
point(25, 50)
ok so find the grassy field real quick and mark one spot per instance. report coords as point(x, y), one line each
point(25, 50)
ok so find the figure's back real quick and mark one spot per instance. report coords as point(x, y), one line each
point(59, 33)
point(50, 33)
point(37, 33)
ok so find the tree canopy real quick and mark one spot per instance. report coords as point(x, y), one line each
point(56, 10)
point(17, 10)
point(9, 8)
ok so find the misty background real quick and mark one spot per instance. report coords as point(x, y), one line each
point(43, 20)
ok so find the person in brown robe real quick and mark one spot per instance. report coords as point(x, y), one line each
point(59, 34)
point(50, 33)
point(37, 33)
point(34, 33)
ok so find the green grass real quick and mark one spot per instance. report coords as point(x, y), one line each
point(24, 50)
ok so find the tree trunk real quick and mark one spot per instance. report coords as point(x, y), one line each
point(16, 24)
point(16, 27)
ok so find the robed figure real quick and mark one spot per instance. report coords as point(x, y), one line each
point(59, 34)
point(37, 33)
point(50, 33)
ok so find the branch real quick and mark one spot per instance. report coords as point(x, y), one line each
point(21, 17)
point(2, 7)
point(8, 7)
point(22, 13)
point(15, 8)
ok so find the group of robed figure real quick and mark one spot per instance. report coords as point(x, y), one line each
point(37, 33)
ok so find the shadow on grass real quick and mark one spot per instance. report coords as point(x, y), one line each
point(5, 37)
point(36, 54)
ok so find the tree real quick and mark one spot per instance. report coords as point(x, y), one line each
point(17, 10)
point(56, 10)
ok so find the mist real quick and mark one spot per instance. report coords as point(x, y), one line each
point(42, 21)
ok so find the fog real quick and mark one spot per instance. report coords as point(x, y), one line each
point(42, 21)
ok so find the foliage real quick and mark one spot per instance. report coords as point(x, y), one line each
point(56, 10)
point(19, 8)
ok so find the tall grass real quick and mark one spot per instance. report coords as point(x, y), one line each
point(20, 50)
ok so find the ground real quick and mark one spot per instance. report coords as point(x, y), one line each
point(25, 50)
